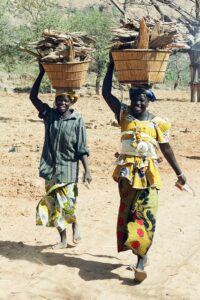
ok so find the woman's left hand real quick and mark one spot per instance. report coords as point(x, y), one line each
point(181, 179)
point(87, 177)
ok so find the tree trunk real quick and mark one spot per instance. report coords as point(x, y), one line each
point(98, 80)
point(197, 10)
point(195, 75)
point(98, 85)
point(194, 59)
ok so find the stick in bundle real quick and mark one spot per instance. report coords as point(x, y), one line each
point(142, 41)
point(155, 32)
point(163, 40)
point(29, 52)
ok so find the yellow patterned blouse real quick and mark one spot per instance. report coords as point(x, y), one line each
point(139, 153)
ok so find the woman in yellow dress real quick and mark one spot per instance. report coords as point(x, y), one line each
point(142, 135)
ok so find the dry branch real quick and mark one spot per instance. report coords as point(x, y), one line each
point(152, 34)
point(61, 47)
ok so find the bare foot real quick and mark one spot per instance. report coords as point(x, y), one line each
point(140, 275)
point(60, 245)
point(77, 240)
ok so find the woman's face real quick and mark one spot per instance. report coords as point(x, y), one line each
point(62, 103)
point(139, 104)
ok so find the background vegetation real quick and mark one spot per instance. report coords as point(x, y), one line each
point(23, 21)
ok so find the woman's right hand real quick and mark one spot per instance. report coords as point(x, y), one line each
point(41, 68)
point(111, 61)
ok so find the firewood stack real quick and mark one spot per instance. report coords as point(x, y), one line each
point(57, 47)
point(65, 57)
point(141, 51)
point(148, 34)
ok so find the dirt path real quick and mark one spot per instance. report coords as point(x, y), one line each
point(94, 269)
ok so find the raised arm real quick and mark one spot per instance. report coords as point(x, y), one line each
point(39, 105)
point(170, 157)
point(111, 100)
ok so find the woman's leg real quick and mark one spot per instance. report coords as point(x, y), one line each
point(136, 223)
point(63, 237)
point(140, 273)
point(141, 262)
point(63, 241)
point(142, 222)
point(76, 233)
point(67, 214)
point(128, 197)
point(146, 222)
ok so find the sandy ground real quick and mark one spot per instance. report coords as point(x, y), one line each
point(29, 269)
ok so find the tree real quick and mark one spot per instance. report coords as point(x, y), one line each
point(195, 59)
point(8, 35)
point(30, 17)
point(33, 16)
point(187, 15)
point(29, 9)
point(37, 15)
point(96, 24)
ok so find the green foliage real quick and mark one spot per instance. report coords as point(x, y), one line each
point(35, 16)
point(178, 70)
point(23, 21)
point(8, 35)
point(45, 86)
point(95, 24)
point(98, 25)
point(30, 10)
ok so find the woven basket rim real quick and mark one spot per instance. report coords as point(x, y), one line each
point(68, 63)
point(141, 50)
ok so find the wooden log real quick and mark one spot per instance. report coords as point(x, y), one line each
point(142, 41)
point(125, 45)
point(163, 40)
point(177, 46)
point(155, 32)
point(45, 52)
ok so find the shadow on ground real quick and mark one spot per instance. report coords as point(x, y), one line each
point(193, 157)
point(88, 269)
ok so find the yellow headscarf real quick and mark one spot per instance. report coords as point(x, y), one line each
point(71, 94)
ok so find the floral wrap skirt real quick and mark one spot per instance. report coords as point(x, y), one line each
point(136, 218)
point(57, 207)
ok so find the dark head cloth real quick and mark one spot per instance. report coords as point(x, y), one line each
point(139, 91)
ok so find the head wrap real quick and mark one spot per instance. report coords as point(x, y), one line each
point(73, 97)
point(135, 91)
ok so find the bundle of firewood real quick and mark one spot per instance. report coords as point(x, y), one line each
point(148, 34)
point(54, 47)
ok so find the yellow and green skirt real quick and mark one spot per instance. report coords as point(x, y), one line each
point(136, 218)
point(57, 207)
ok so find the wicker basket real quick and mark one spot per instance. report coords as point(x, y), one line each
point(140, 65)
point(67, 75)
